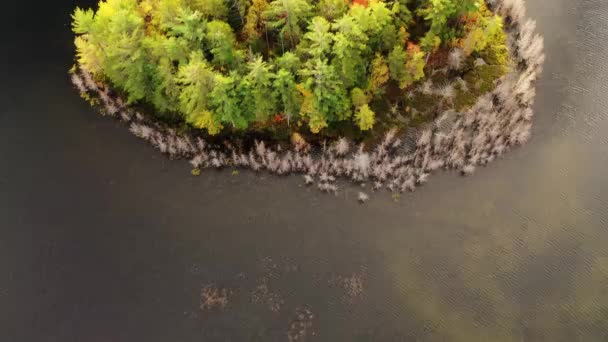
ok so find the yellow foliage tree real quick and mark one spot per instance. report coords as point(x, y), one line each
point(206, 120)
point(365, 117)
point(254, 23)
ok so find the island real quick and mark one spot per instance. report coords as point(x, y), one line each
point(378, 91)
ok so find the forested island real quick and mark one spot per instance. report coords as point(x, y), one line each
point(417, 84)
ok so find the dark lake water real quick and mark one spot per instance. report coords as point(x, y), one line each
point(102, 239)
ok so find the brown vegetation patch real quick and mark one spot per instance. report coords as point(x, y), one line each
point(214, 298)
point(262, 295)
point(301, 326)
point(353, 285)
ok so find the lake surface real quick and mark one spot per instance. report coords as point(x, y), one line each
point(103, 239)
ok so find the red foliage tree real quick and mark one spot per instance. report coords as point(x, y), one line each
point(363, 3)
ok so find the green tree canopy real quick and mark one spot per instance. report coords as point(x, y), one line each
point(288, 17)
point(226, 64)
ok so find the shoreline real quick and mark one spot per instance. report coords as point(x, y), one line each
point(498, 122)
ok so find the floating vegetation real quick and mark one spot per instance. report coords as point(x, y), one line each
point(363, 197)
point(353, 285)
point(214, 298)
point(301, 326)
point(263, 295)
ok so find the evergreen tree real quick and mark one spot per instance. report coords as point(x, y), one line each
point(332, 9)
point(166, 92)
point(126, 61)
point(233, 102)
point(350, 50)
point(190, 26)
point(185, 35)
point(402, 13)
point(222, 42)
point(290, 99)
point(377, 22)
point(406, 67)
point(197, 81)
point(90, 56)
point(329, 97)
point(216, 9)
point(288, 17)
point(164, 12)
point(319, 38)
point(261, 78)
point(290, 62)
point(396, 65)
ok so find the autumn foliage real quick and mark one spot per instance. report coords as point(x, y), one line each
point(223, 65)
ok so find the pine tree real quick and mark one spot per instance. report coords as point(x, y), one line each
point(319, 38)
point(216, 9)
point(164, 12)
point(289, 61)
point(89, 56)
point(190, 26)
point(330, 98)
point(222, 42)
point(232, 100)
point(197, 81)
point(126, 61)
point(288, 17)
point(377, 22)
point(349, 51)
point(166, 91)
point(83, 21)
point(332, 9)
point(261, 78)
point(402, 12)
point(290, 98)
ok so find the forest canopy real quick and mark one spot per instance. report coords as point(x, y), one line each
point(243, 64)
